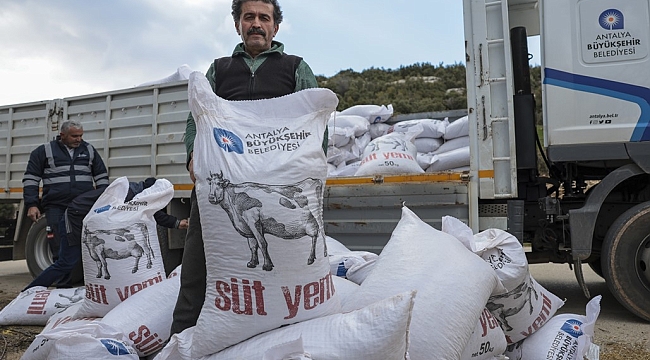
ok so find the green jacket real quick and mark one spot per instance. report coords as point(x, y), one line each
point(305, 79)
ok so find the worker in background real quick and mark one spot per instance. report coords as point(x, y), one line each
point(276, 74)
point(67, 166)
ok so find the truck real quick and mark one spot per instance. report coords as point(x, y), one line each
point(591, 207)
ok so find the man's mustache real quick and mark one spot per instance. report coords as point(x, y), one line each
point(257, 31)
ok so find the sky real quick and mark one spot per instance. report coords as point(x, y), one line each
point(61, 48)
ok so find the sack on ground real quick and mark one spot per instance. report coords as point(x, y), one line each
point(260, 176)
point(76, 341)
point(35, 305)
point(449, 279)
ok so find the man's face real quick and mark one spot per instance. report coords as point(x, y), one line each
point(256, 26)
point(73, 137)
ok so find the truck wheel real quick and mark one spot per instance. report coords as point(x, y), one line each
point(37, 250)
point(626, 260)
point(39, 255)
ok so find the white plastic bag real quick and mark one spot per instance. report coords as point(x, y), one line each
point(377, 331)
point(76, 341)
point(260, 175)
point(120, 249)
point(146, 317)
point(563, 337)
point(374, 113)
point(35, 305)
point(488, 340)
point(526, 306)
point(391, 154)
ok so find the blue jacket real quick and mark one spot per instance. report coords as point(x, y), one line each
point(63, 177)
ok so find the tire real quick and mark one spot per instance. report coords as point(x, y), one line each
point(39, 256)
point(37, 250)
point(625, 260)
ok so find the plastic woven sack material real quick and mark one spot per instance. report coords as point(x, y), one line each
point(260, 174)
point(374, 113)
point(35, 305)
point(457, 128)
point(146, 317)
point(119, 245)
point(453, 285)
point(488, 340)
point(76, 341)
point(431, 128)
point(450, 160)
point(526, 305)
point(377, 331)
point(563, 337)
point(391, 154)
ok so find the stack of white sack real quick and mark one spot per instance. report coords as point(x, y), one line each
point(350, 131)
point(453, 152)
point(453, 286)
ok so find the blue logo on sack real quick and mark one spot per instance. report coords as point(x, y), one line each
point(573, 327)
point(102, 209)
point(228, 141)
point(611, 19)
point(115, 347)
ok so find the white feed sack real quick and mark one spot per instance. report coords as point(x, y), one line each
point(355, 124)
point(146, 317)
point(526, 305)
point(391, 154)
point(453, 285)
point(457, 128)
point(120, 249)
point(453, 144)
point(77, 341)
point(450, 160)
point(35, 305)
point(374, 113)
point(67, 315)
point(563, 337)
point(377, 331)
point(260, 175)
point(488, 340)
point(431, 128)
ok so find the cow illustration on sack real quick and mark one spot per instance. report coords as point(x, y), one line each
point(523, 294)
point(78, 295)
point(258, 209)
point(118, 244)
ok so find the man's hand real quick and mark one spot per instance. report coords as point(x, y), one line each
point(191, 168)
point(184, 224)
point(34, 213)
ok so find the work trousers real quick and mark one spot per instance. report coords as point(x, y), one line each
point(193, 274)
point(69, 257)
point(53, 214)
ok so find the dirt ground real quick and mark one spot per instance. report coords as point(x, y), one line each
point(618, 334)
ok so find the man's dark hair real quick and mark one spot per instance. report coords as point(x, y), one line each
point(277, 12)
